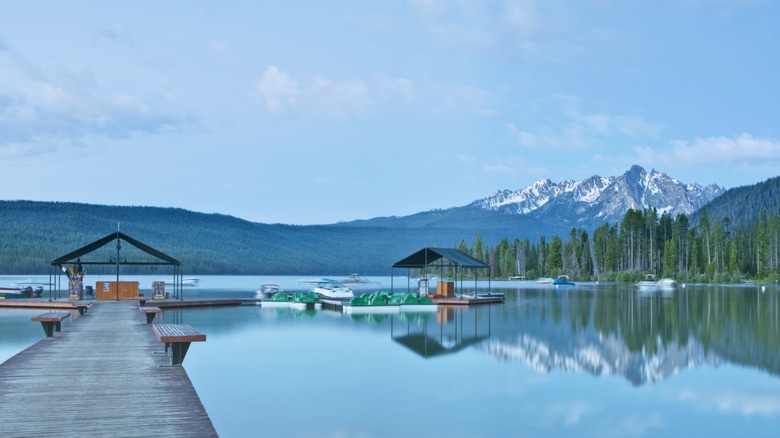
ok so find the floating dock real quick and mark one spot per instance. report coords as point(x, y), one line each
point(466, 300)
point(100, 376)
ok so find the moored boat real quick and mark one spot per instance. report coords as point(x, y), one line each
point(17, 292)
point(666, 283)
point(267, 290)
point(648, 284)
point(563, 280)
point(355, 279)
point(333, 289)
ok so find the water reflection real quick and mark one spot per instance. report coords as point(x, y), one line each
point(617, 330)
point(600, 330)
point(412, 332)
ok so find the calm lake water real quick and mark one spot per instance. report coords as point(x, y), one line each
point(601, 360)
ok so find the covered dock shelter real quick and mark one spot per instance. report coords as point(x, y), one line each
point(151, 257)
point(440, 258)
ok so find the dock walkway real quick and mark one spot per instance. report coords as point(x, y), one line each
point(99, 376)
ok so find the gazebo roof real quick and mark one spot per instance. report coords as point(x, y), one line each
point(163, 259)
point(426, 256)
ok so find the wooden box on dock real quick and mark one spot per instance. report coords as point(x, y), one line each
point(107, 290)
point(445, 288)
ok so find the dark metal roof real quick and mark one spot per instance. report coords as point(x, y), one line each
point(73, 256)
point(429, 347)
point(426, 256)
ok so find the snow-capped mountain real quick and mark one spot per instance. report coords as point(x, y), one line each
point(546, 208)
point(602, 199)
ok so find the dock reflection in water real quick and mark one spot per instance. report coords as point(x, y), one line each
point(548, 361)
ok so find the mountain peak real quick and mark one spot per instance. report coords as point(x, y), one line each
point(602, 198)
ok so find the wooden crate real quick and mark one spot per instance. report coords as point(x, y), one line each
point(445, 288)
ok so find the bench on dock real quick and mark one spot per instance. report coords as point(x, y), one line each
point(150, 313)
point(83, 306)
point(177, 338)
point(51, 321)
point(141, 301)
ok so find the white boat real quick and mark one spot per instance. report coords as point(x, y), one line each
point(545, 280)
point(20, 292)
point(268, 290)
point(666, 283)
point(648, 284)
point(190, 281)
point(333, 289)
point(356, 279)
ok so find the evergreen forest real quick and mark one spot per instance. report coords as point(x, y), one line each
point(736, 237)
point(709, 250)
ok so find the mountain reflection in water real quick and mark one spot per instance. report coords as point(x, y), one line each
point(600, 329)
point(614, 330)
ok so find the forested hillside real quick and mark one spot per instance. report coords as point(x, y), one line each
point(34, 233)
point(736, 235)
point(743, 205)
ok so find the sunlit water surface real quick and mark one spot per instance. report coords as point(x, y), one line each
point(591, 360)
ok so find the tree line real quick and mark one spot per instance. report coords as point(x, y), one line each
point(644, 242)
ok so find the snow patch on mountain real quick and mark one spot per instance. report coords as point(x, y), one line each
point(604, 197)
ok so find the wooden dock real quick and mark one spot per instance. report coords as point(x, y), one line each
point(99, 376)
point(43, 303)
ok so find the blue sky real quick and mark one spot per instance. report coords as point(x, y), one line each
point(308, 112)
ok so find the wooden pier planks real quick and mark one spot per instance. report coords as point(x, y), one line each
point(99, 377)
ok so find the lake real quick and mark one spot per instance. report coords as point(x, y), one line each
point(602, 360)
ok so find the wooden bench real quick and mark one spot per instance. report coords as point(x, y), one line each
point(51, 321)
point(177, 338)
point(83, 306)
point(141, 301)
point(150, 313)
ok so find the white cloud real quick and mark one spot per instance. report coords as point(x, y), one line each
point(579, 130)
point(45, 108)
point(278, 91)
point(472, 99)
point(283, 94)
point(341, 97)
point(635, 425)
point(569, 413)
point(487, 25)
point(741, 149)
point(402, 87)
point(734, 402)
point(567, 138)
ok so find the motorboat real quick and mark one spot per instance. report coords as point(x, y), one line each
point(190, 281)
point(563, 280)
point(545, 280)
point(20, 292)
point(648, 284)
point(268, 290)
point(356, 279)
point(666, 283)
point(333, 289)
point(12, 292)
